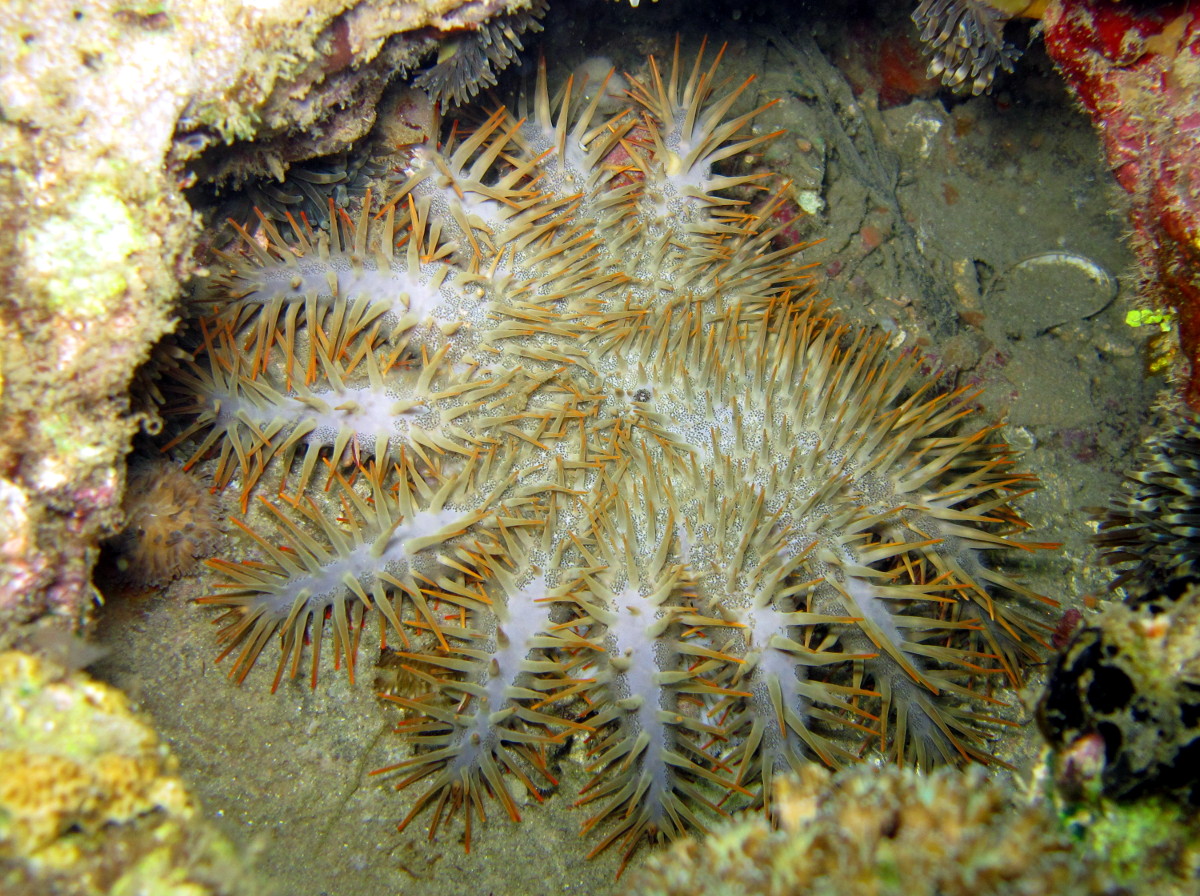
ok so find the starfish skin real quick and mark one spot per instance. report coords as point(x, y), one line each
point(564, 417)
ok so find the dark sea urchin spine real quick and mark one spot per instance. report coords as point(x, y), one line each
point(626, 481)
point(1150, 530)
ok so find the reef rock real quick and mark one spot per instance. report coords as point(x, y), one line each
point(106, 108)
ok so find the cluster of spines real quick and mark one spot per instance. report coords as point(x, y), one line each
point(1151, 529)
point(483, 715)
point(386, 551)
point(645, 424)
point(965, 40)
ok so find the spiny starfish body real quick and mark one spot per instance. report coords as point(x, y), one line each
point(612, 473)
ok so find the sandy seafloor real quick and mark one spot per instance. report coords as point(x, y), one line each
point(963, 230)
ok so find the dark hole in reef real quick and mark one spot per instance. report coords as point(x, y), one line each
point(77, 15)
point(1189, 714)
point(1061, 712)
point(889, 827)
point(1083, 655)
point(1113, 739)
point(1182, 771)
point(1110, 690)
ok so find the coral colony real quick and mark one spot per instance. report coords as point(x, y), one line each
point(564, 420)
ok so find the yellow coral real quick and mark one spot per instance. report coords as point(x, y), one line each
point(73, 757)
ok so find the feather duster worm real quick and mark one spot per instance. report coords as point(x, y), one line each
point(468, 62)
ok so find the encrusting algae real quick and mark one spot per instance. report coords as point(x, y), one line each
point(74, 757)
point(89, 799)
point(564, 416)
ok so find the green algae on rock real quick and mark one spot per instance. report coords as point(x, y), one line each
point(81, 255)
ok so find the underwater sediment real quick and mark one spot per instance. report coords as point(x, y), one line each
point(559, 415)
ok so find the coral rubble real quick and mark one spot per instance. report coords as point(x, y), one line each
point(1119, 710)
point(563, 416)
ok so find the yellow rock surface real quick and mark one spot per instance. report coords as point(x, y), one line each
point(74, 757)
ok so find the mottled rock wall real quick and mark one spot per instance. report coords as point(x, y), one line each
point(109, 110)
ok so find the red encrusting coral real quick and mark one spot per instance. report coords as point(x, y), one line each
point(889, 63)
point(1136, 69)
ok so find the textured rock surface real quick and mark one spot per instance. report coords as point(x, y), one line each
point(1130, 680)
point(867, 831)
point(89, 800)
point(106, 108)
